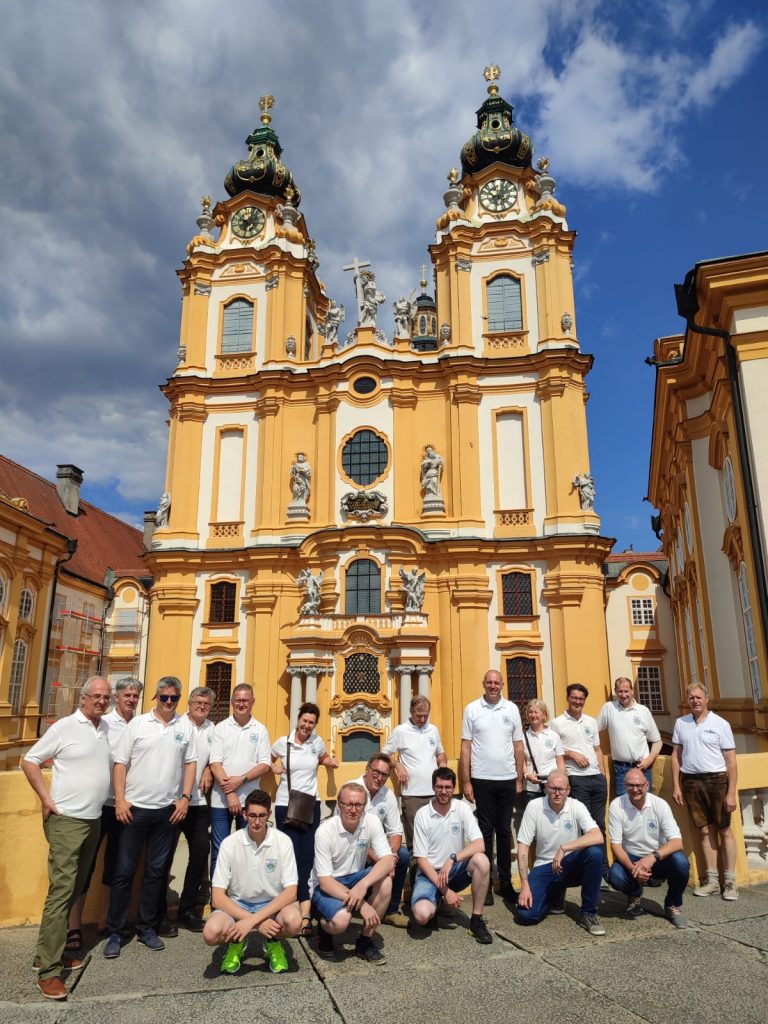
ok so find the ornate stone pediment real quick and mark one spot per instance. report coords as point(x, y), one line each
point(364, 505)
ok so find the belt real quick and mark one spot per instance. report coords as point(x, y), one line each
point(704, 776)
point(625, 764)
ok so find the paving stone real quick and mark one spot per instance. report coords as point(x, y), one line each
point(752, 932)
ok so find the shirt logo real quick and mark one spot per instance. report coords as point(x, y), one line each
point(588, 732)
point(652, 826)
point(254, 738)
point(568, 826)
point(361, 844)
point(382, 812)
point(549, 744)
point(455, 828)
point(431, 741)
point(506, 719)
point(270, 864)
point(178, 737)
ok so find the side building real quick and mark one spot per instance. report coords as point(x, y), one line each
point(356, 517)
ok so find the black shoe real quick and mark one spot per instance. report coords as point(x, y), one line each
point(366, 949)
point(509, 893)
point(151, 941)
point(489, 897)
point(479, 930)
point(557, 903)
point(168, 928)
point(324, 946)
point(189, 920)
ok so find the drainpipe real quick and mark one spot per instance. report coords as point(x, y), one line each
point(71, 549)
point(687, 308)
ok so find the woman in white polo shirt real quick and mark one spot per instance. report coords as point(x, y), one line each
point(543, 750)
point(308, 752)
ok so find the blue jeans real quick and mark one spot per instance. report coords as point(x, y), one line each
point(458, 880)
point(328, 906)
point(620, 769)
point(401, 872)
point(582, 867)
point(221, 826)
point(675, 869)
point(592, 791)
point(151, 827)
point(303, 847)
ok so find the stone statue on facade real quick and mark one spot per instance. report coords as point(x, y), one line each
point(370, 298)
point(301, 486)
point(585, 485)
point(333, 319)
point(163, 510)
point(403, 310)
point(432, 466)
point(311, 585)
point(413, 584)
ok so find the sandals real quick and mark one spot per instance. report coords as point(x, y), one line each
point(306, 929)
point(74, 940)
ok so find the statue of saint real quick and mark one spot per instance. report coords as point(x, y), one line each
point(333, 319)
point(432, 466)
point(311, 585)
point(585, 485)
point(301, 478)
point(413, 584)
point(163, 510)
point(402, 310)
point(370, 298)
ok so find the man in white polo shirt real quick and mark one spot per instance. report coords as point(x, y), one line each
point(633, 734)
point(240, 754)
point(79, 747)
point(383, 803)
point(568, 852)
point(154, 774)
point(705, 776)
point(584, 759)
point(492, 771)
point(254, 889)
point(646, 843)
point(342, 879)
point(449, 850)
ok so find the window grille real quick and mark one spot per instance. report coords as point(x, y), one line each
point(364, 457)
point(642, 611)
point(222, 602)
point(218, 675)
point(361, 674)
point(18, 675)
point(363, 591)
point(516, 593)
point(26, 605)
point(649, 691)
point(522, 685)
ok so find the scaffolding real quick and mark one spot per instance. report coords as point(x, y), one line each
point(74, 654)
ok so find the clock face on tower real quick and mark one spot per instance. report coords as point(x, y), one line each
point(498, 195)
point(248, 222)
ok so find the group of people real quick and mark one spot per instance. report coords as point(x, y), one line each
point(138, 781)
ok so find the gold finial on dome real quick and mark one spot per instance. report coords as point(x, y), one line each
point(491, 75)
point(453, 175)
point(205, 202)
point(543, 164)
point(423, 281)
point(266, 103)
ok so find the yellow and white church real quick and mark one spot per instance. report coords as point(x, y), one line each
point(354, 518)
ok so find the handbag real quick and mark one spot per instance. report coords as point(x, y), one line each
point(300, 813)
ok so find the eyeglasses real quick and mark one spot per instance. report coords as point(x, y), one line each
point(635, 785)
point(168, 698)
point(200, 704)
point(257, 817)
point(379, 774)
point(557, 789)
point(356, 808)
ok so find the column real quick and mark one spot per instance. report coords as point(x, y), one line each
point(310, 690)
point(406, 689)
point(296, 697)
point(425, 671)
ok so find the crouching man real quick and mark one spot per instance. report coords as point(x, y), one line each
point(343, 882)
point(255, 888)
point(450, 851)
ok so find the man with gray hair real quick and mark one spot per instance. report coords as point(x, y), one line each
point(153, 776)
point(79, 748)
point(633, 734)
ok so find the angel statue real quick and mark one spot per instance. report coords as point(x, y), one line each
point(163, 510)
point(402, 310)
point(413, 584)
point(333, 319)
point(310, 584)
point(585, 485)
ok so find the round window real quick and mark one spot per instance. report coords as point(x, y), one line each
point(364, 457)
point(364, 385)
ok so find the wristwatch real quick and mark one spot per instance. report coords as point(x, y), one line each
point(656, 855)
point(186, 796)
point(454, 858)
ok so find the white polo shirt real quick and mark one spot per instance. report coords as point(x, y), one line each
point(384, 805)
point(305, 758)
point(492, 730)
point(631, 730)
point(641, 831)
point(238, 748)
point(155, 753)
point(203, 739)
point(578, 734)
point(436, 836)
point(82, 764)
point(546, 747)
point(703, 744)
point(417, 747)
point(339, 853)
point(255, 873)
point(551, 830)
point(116, 724)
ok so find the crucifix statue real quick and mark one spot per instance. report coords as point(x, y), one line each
point(369, 298)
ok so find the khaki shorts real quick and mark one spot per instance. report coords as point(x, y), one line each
point(705, 796)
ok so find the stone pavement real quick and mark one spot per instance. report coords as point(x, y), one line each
point(641, 971)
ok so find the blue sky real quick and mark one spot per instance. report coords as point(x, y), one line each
point(117, 118)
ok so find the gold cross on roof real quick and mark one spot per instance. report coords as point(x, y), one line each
point(491, 75)
point(266, 103)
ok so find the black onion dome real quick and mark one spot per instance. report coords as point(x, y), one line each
point(262, 171)
point(496, 138)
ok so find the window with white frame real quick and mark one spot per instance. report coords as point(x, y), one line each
point(749, 632)
point(688, 524)
point(649, 690)
point(18, 675)
point(642, 611)
point(702, 641)
point(505, 304)
point(679, 554)
point(693, 665)
point(729, 489)
point(26, 605)
point(237, 335)
point(3, 591)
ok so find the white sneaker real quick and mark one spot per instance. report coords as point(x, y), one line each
point(730, 892)
point(709, 888)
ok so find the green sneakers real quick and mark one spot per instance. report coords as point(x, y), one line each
point(231, 962)
point(276, 958)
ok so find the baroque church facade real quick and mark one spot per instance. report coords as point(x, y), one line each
point(356, 518)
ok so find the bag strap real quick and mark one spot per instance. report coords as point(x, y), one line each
point(530, 753)
point(288, 763)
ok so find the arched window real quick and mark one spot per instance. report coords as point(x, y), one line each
point(3, 591)
point(521, 681)
point(422, 324)
point(308, 339)
point(363, 593)
point(18, 675)
point(505, 304)
point(729, 486)
point(222, 602)
point(218, 675)
point(749, 632)
point(26, 605)
point(238, 327)
point(359, 746)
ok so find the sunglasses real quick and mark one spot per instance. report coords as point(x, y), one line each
point(168, 698)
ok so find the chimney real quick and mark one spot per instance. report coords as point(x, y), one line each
point(68, 481)
point(149, 528)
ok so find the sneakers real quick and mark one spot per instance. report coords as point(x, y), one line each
point(396, 920)
point(231, 961)
point(112, 946)
point(557, 905)
point(52, 988)
point(276, 958)
point(366, 950)
point(68, 963)
point(324, 946)
point(591, 924)
point(710, 887)
point(478, 929)
point(676, 916)
point(150, 939)
point(634, 907)
point(730, 892)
